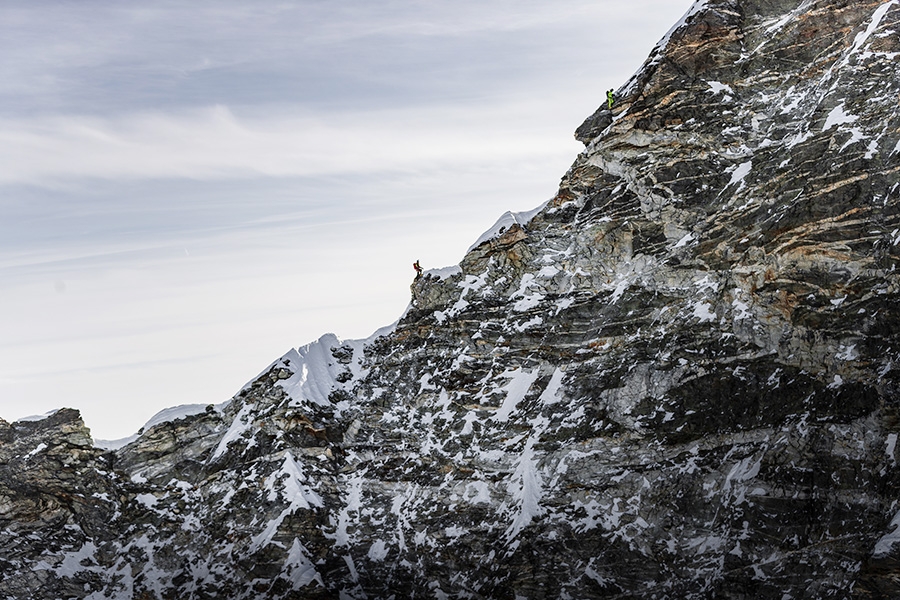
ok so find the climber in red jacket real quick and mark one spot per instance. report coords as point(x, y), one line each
point(418, 269)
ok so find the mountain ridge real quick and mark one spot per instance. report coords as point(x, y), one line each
point(675, 379)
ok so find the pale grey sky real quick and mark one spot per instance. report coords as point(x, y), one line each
point(188, 190)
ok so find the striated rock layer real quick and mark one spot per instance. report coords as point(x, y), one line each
point(677, 379)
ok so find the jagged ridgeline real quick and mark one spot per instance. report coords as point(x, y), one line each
point(677, 379)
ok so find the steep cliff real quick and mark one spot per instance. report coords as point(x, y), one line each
point(677, 379)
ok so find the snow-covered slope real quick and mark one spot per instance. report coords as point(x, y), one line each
point(677, 379)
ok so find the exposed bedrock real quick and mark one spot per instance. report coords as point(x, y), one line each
point(677, 379)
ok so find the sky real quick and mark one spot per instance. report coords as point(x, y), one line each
point(188, 190)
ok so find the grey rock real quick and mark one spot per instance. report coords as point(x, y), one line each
point(678, 379)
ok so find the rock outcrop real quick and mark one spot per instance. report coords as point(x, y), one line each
point(677, 379)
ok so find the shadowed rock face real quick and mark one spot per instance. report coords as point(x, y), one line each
point(679, 379)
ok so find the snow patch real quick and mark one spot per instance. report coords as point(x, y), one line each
point(39, 448)
point(684, 241)
point(591, 573)
point(147, 500)
point(797, 140)
point(471, 283)
point(166, 415)
point(695, 8)
point(891, 447)
point(115, 444)
point(378, 551)
point(847, 352)
point(791, 102)
point(293, 485)
point(241, 423)
point(33, 418)
point(863, 36)
point(444, 272)
point(532, 322)
point(316, 370)
point(740, 173)
point(838, 116)
point(885, 545)
point(73, 562)
point(469, 418)
point(519, 384)
point(507, 220)
point(745, 470)
point(563, 304)
point(871, 150)
point(526, 486)
point(353, 503)
point(707, 283)
point(551, 394)
point(478, 492)
point(302, 571)
point(173, 414)
point(781, 23)
point(704, 312)
point(771, 29)
point(620, 288)
point(718, 87)
point(856, 135)
point(528, 302)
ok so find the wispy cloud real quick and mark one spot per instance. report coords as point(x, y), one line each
point(92, 57)
point(215, 144)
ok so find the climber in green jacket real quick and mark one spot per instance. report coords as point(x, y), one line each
point(610, 99)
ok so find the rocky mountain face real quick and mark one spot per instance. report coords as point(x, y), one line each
point(680, 378)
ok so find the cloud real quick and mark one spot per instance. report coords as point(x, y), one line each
point(213, 143)
point(92, 57)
